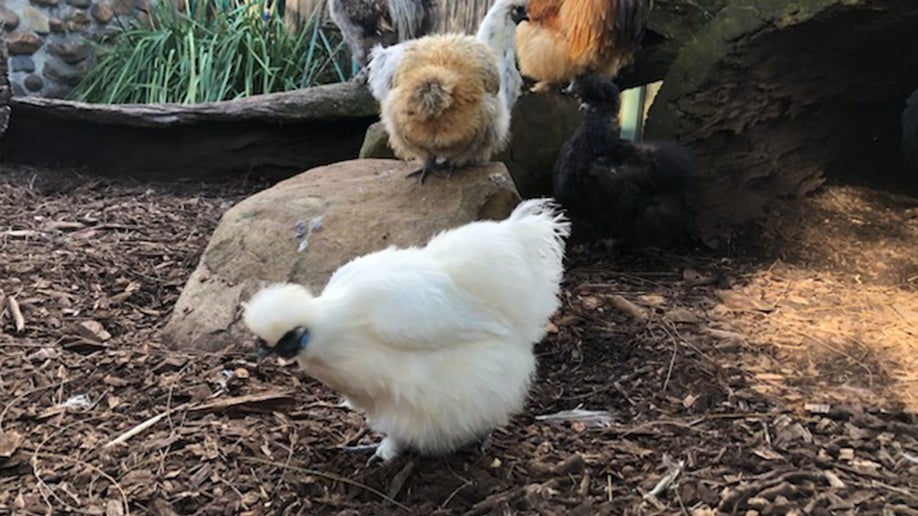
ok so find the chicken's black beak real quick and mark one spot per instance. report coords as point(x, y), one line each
point(292, 343)
point(518, 14)
point(262, 349)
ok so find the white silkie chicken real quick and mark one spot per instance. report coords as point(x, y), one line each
point(434, 344)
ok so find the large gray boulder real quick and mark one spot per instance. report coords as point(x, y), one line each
point(304, 228)
point(540, 125)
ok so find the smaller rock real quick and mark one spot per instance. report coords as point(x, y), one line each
point(35, 20)
point(122, 7)
point(376, 143)
point(33, 82)
point(8, 19)
point(77, 21)
point(102, 12)
point(80, 4)
point(46, 3)
point(22, 43)
point(56, 25)
point(58, 71)
point(72, 52)
point(22, 64)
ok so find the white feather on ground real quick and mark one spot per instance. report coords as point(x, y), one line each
point(434, 344)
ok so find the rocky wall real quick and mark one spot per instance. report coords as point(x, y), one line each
point(50, 41)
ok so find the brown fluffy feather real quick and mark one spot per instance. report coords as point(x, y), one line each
point(567, 38)
point(444, 101)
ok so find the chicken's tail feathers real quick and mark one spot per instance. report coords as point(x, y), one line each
point(551, 224)
point(431, 89)
point(545, 208)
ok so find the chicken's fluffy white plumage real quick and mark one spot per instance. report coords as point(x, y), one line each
point(434, 344)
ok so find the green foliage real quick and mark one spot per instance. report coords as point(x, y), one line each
point(211, 50)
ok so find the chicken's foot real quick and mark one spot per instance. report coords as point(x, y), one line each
point(430, 167)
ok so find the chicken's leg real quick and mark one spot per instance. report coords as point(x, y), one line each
point(383, 451)
point(485, 443)
point(430, 165)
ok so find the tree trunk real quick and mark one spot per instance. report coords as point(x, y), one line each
point(275, 135)
point(776, 97)
point(5, 92)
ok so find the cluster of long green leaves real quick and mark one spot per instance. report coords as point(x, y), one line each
point(208, 51)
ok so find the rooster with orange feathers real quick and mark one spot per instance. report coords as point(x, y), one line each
point(564, 39)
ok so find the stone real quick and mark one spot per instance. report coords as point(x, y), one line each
point(22, 64)
point(61, 72)
point(122, 7)
point(22, 43)
point(35, 20)
point(102, 12)
point(45, 3)
point(79, 4)
point(33, 82)
point(8, 19)
point(56, 25)
point(539, 127)
point(77, 21)
point(71, 52)
point(357, 207)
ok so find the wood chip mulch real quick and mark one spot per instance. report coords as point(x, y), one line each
point(645, 403)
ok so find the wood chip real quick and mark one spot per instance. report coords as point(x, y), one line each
point(9, 443)
point(633, 310)
point(16, 313)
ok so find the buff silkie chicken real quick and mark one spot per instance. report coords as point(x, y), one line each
point(446, 99)
point(564, 39)
point(433, 344)
point(445, 106)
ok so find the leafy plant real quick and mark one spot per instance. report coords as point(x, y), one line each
point(208, 51)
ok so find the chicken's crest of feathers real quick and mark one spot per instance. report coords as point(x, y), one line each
point(598, 93)
point(277, 309)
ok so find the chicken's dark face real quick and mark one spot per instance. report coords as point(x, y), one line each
point(288, 346)
point(518, 14)
point(597, 93)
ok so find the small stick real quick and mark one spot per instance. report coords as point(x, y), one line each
point(2, 308)
point(18, 320)
point(143, 426)
point(399, 479)
point(628, 307)
point(674, 471)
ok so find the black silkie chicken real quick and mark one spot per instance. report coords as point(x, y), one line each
point(617, 192)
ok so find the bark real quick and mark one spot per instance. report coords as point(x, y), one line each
point(274, 135)
point(5, 92)
point(775, 97)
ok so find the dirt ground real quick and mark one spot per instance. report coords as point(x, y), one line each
point(777, 379)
